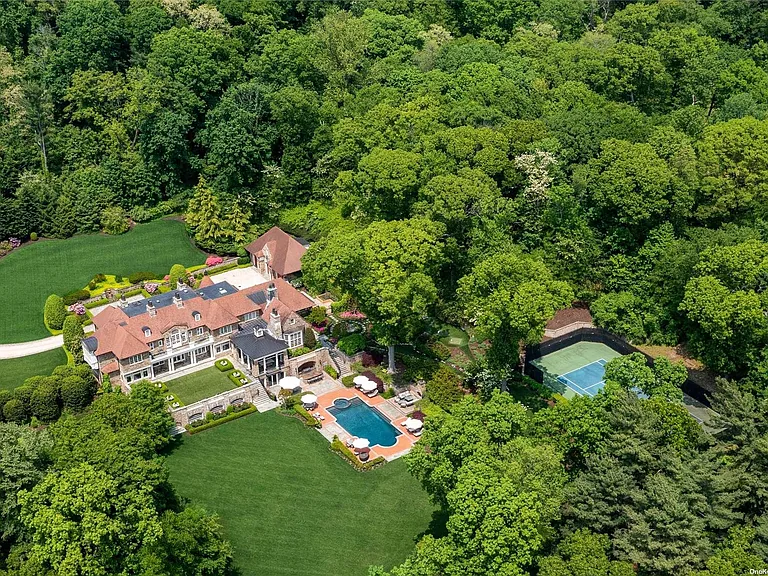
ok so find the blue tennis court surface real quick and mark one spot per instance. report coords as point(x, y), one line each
point(587, 380)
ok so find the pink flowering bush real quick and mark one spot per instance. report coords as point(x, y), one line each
point(352, 315)
point(150, 287)
point(77, 308)
point(213, 260)
point(15, 242)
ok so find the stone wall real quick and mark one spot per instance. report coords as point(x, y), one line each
point(248, 393)
point(320, 357)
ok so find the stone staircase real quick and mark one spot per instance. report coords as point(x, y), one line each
point(263, 403)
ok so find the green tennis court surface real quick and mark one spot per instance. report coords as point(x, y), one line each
point(577, 369)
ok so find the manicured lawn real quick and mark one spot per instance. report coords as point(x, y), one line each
point(291, 507)
point(198, 385)
point(29, 275)
point(13, 372)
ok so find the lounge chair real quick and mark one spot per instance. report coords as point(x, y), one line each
point(372, 393)
point(418, 432)
point(406, 403)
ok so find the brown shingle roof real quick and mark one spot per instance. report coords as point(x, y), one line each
point(284, 250)
point(286, 294)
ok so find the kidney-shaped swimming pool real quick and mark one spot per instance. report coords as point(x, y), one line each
point(361, 420)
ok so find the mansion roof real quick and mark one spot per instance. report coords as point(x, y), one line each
point(284, 250)
point(128, 330)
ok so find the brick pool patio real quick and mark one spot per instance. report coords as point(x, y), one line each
point(393, 413)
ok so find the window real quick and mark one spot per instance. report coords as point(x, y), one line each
point(225, 330)
point(223, 347)
point(196, 316)
point(136, 376)
point(147, 332)
point(135, 359)
point(151, 345)
point(249, 316)
point(176, 337)
point(199, 331)
point(294, 339)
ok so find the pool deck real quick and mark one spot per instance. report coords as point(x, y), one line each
point(331, 428)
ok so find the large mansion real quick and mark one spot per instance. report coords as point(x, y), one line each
point(157, 336)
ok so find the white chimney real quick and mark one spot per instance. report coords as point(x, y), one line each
point(177, 300)
point(151, 308)
point(271, 292)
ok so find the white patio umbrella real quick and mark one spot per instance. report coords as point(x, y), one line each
point(290, 383)
point(360, 443)
point(308, 399)
point(413, 424)
point(359, 380)
point(368, 386)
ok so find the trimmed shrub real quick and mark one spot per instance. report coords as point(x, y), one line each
point(236, 379)
point(44, 403)
point(5, 395)
point(309, 338)
point(54, 312)
point(293, 352)
point(137, 277)
point(33, 236)
point(444, 388)
point(23, 394)
point(76, 392)
point(73, 334)
point(178, 273)
point(331, 371)
point(339, 330)
point(352, 344)
point(224, 365)
point(14, 411)
point(76, 296)
point(440, 350)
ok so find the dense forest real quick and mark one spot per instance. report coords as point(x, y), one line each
point(483, 162)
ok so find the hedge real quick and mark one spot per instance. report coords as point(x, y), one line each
point(331, 371)
point(134, 292)
point(95, 303)
point(223, 268)
point(137, 277)
point(348, 380)
point(224, 365)
point(76, 296)
point(227, 418)
point(340, 449)
point(309, 420)
point(236, 379)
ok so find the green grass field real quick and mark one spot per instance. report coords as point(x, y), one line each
point(13, 372)
point(29, 275)
point(199, 385)
point(292, 507)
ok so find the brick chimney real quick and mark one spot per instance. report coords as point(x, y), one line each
point(177, 300)
point(274, 324)
point(151, 308)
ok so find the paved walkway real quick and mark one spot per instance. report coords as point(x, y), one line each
point(29, 348)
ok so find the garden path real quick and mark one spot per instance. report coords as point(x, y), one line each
point(22, 349)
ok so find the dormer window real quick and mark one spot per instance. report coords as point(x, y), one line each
point(196, 316)
point(147, 332)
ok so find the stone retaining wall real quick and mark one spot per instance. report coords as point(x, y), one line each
point(247, 393)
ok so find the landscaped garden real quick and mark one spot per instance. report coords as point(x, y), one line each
point(28, 275)
point(291, 506)
point(200, 385)
point(14, 371)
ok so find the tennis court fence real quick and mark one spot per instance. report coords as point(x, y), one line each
point(694, 389)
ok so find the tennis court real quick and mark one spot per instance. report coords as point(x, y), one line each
point(576, 370)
